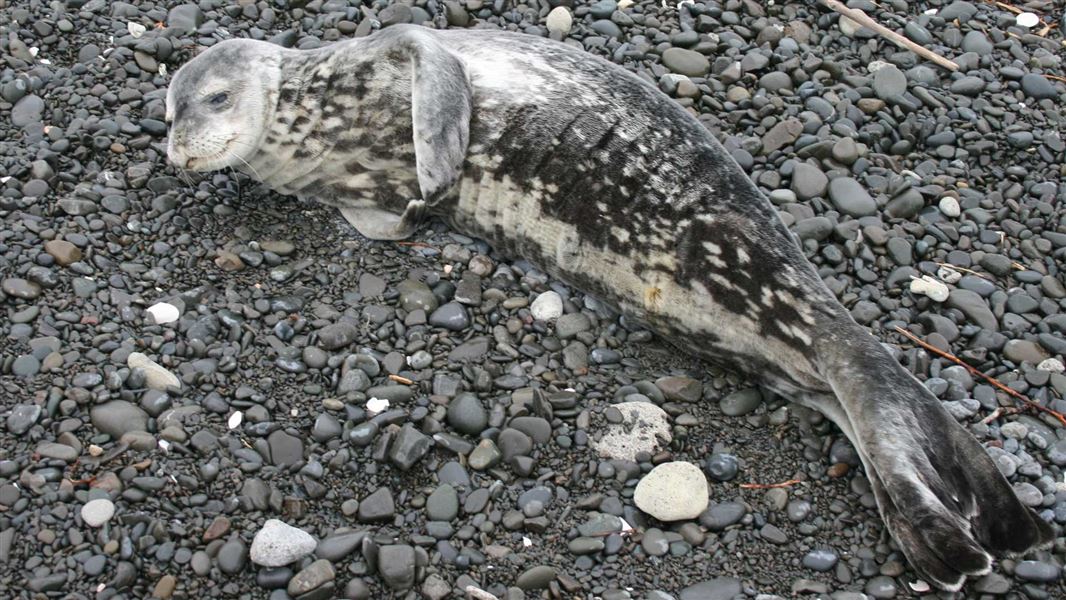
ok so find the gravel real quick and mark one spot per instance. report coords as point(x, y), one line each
point(188, 357)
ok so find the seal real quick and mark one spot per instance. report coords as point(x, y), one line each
point(589, 171)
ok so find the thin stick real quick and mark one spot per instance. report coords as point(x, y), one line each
point(964, 270)
point(1007, 7)
point(862, 19)
point(768, 486)
point(995, 382)
point(399, 379)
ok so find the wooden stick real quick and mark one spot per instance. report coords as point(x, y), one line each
point(862, 19)
point(1006, 7)
point(964, 270)
point(767, 486)
point(995, 382)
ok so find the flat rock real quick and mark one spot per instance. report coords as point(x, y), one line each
point(645, 428)
point(118, 417)
point(156, 376)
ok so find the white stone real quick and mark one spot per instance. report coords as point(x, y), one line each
point(1053, 365)
point(559, 20)
point(376, 405)
point(1027, 19)
point(644, 428)
point(948, 275)
point(1015, 429)
point(874, 67)
point(235, 419)
point(950, 207)
point(928, 286)
point(156, 377)
point(547, 306)
point(136, 29)
point(97, 512)
point(163, 312)
point(278, 544)
point(673, 491)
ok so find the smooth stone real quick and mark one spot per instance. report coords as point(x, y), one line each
point(686, 62)
point(443, 504)
point(118, 417)
point(397, 565)
point(741, 402)
point(156, 376)
point(673, 491)
point(378, 507)
point(311, 577)
point(851, 198)
point(97, 512)
point(720, 588)
point(536, 578)
point(467, 415)
point(232, 557)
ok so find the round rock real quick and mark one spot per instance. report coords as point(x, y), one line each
point(97, 512)
point(674, 491)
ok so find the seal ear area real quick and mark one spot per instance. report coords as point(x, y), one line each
point(441, 104)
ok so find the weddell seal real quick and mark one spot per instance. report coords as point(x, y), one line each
point(580, 166)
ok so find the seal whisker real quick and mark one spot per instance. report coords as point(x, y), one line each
point(238, 157)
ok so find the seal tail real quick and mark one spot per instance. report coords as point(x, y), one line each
point(941, 496)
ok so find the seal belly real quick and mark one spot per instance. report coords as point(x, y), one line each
point(682, 309)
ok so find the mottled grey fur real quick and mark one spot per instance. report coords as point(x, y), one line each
point(578, 165)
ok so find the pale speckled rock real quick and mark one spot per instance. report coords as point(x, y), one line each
point(278, 544)
point(644, 428)
point(547, 306)
point(674, 491)
point(559, 20)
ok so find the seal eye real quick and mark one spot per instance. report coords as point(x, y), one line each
point(218, 100)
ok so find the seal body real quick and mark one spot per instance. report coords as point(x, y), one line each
point(585, 169)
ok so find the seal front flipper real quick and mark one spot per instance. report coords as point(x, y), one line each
point(441, 104)
point(378, 224)
point(941, 496)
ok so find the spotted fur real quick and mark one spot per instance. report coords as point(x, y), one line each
point(585, 169)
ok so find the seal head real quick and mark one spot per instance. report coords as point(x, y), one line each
point(218, 105)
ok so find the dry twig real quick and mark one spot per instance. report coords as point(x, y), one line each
point(995, 382)
point(866, 21)
point(964, 270)
point(399, 379)
point(768, 486)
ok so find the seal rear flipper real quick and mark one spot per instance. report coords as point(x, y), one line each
point(941, 496)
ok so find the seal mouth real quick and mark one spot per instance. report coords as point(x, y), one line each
point(210, 161)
